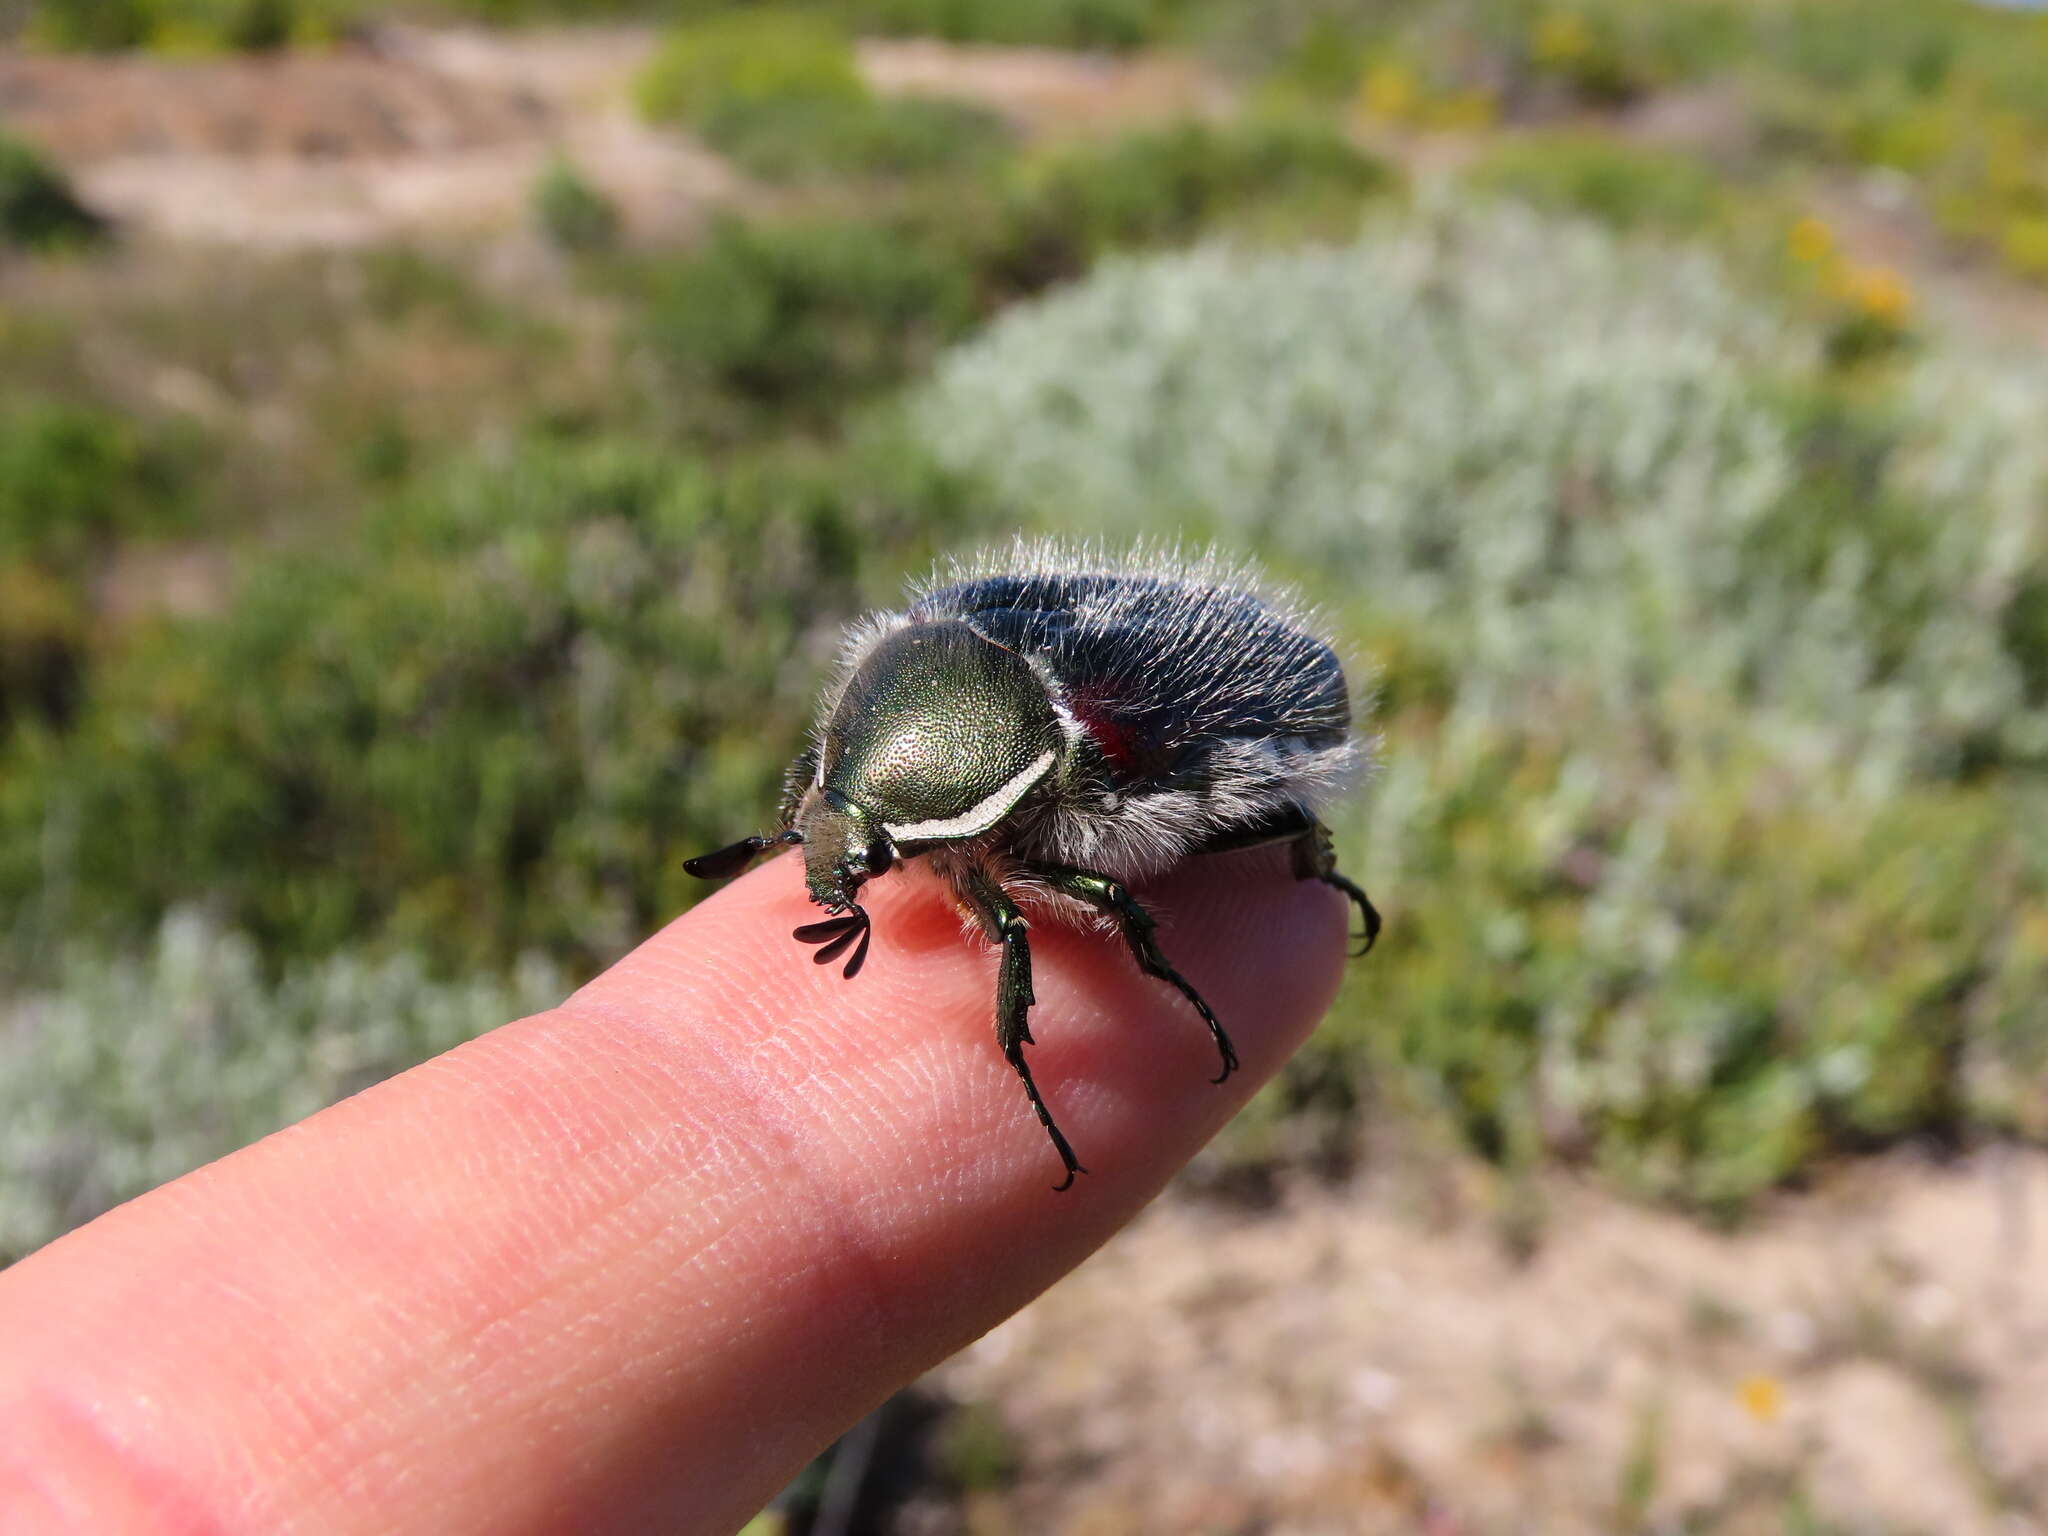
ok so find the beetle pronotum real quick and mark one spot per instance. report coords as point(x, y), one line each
point(1053, 725)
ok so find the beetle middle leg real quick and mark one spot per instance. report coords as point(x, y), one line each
point(1000, 917)
point(1139, 929)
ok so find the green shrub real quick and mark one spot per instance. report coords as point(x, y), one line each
point(2024, 245)
point(1582, 48)
point(1624, 185)
point(1431, 64)
point(75, 485)
point(1853, 45)
point(793, 320)
point(780, 92)
point(75, 479)
point(1060, 212)
point(1114, 24)
point(494, 720)
point(751, 58)
point(572, 213)
point(128, 1071)
point(1946, 91)
point(186, 26)
point(91, 25)
point(1708, 831)
point(38, 209)
point(795, 141)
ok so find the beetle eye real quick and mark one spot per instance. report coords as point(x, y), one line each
point(881, 855)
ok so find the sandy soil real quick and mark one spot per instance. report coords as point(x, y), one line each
point(417, 131)
point(420, 131)
point(1047, 92)
point(1870, 1357)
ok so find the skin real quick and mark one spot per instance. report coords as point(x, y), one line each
point(626, 1265)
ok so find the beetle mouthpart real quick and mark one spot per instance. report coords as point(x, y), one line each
point(836, 933)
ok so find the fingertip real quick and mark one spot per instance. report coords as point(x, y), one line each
point(908, 1045)
point(719, 1205)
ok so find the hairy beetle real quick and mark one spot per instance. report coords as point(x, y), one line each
point(1046, 726)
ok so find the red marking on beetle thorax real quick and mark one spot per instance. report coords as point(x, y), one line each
point(1113, 738)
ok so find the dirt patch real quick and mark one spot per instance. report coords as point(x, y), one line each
point(1871, 1357)
point(429, 130)
point(349, 104)
point(1879, 221)
point(1047, 92)
point(413, 131)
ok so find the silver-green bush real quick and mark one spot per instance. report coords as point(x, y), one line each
point(1570, 457)
point(130, 1071)
point(1715, 680)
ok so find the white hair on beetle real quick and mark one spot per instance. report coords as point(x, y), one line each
point(1045, 723)
point(1201, 639)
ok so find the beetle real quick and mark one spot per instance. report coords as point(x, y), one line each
point(1049, 725)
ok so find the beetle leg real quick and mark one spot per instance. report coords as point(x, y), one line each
point(1138, 927)
point(1315, 858)
point(1004, 923)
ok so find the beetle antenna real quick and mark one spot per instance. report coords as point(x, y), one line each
point(724, 863)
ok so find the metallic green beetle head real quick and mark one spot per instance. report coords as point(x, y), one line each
point(936, 737)
point(843, 848)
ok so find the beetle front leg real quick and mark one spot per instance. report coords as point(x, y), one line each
point(1315, 858)
point(1004, 923)
point(1139, 929)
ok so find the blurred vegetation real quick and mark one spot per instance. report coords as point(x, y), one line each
point(187, 26)
point(1945, 93)
point(572, 213)
point(1712, 681)
point(495, 721)
point(38, 209)
point(1625, 185)
point(1706, 579)
point(1274, 177)
point(779, 91)
point(76, 485)
point(94, 1110)
point(217, 25)
point(418, 734)
point(796, 320)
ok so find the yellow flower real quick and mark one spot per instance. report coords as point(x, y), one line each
point(1762, 1397)
point(1560, 37)
point(1810, 240)
point(1881, 294)
point(1388, 92)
